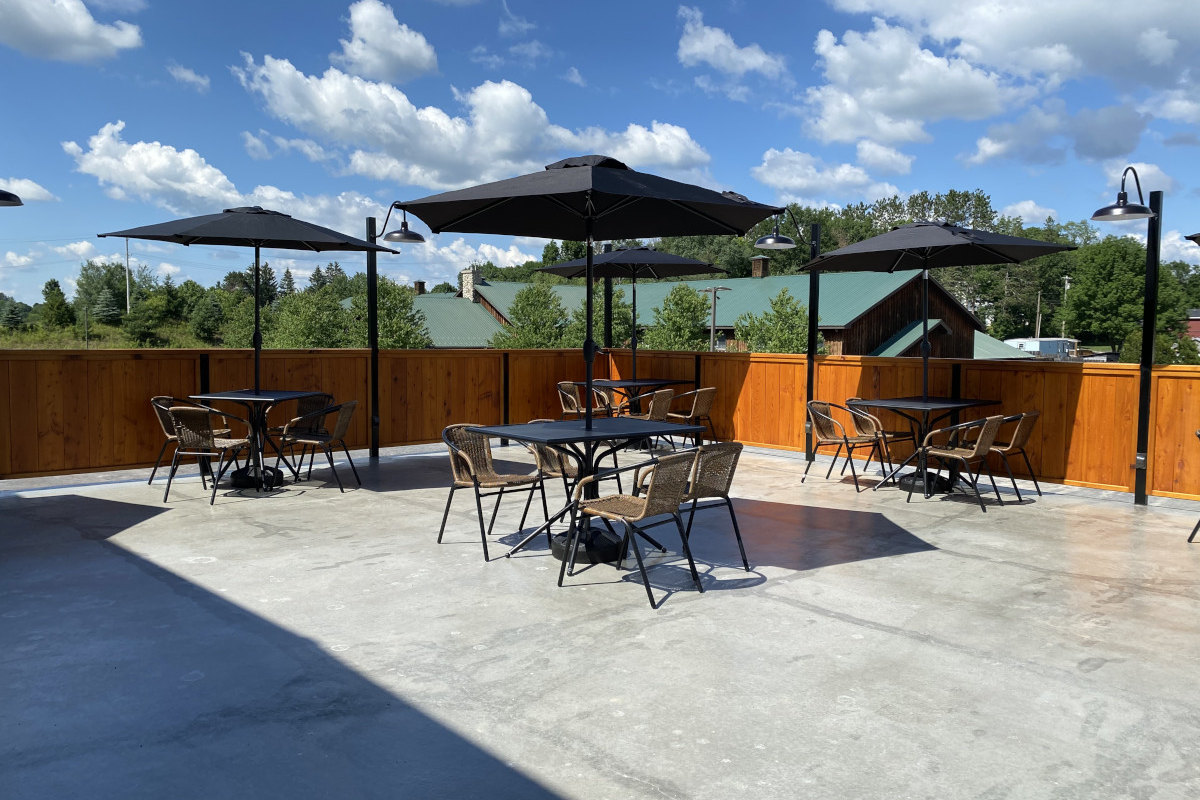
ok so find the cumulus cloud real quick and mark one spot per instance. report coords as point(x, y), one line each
point(481, 55)
point(258, 147)
point(1029, 212)
point(183, 182)
point(502, 133)
point(382, 48)
point(573, 76)
point(701, 44)
point(802, 176)
point(882, 85)
point(1151, 176)
point(1045, 134)
point(1177, 105)
point(1174, 247)
point(189, 77)
point(17, 261)
point(169, 270)
point(29, 191)
point(63, 31)
point(882, 158)
point(81, 250)
point(1054, 42)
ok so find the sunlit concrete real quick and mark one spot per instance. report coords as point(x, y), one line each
point(309, 643)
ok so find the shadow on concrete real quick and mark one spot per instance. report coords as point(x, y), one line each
point(804, 537)
point(124, 679)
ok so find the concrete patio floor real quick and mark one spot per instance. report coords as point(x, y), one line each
point(312, 644)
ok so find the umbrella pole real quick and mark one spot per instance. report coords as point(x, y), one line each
point(589, 347)
point(925, 334)
point(257, 325)
point(633, 330)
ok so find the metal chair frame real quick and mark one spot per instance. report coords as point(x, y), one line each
point(308, 431)
point(827, 430)
point(1016, 444)
point(976, 451)
point(197, 437)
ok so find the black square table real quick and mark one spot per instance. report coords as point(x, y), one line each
point(257, 403)
point(924, 413)
point(587, 447)
point(631, 387)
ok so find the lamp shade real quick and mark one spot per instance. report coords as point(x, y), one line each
point(775, 240)
point(1122, 210)
point(403, 235)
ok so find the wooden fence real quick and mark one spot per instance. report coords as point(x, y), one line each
point(72, 411)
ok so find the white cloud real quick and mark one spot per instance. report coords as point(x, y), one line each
point(80, 250)
point(1044, 135)
point(731, 89)
point(27, 190)
point(255, 147)
point(573, 76)
point(1174, 247)
point(169, 269)
point(450, 259)
point(798, 174)
point(481, 55)
point(531, 51)
point(189, 77)
point(63, 30)
point(382, 48)
point(701, 44)
point(183, 182)
point(511, 24)
point(882, 85)
point(883, 158)
point(503, 132)
point(1054, 42)
point(1177, 105)
point(16, 261)
point(1029, 212)
point(1152, 178)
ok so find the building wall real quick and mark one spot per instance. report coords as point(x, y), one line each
point(879, 324)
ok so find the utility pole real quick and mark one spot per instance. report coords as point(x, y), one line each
point(1037, 326)
point(712, 330)
point(1066, 288)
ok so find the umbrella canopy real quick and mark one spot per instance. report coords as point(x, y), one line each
point(634, 263)
point(926, 246)
point(585, 199)
point(255, 227)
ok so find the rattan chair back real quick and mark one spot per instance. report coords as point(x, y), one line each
point(864, 423)
point(470, 453)
point(344, 412)
point(825, 427)
point(702, 402)
point(162, 410)
point(712, 474)
point(660, 405)
point(194, 427)
point(548, 460)
point(568, 398)
point(1024, 430)
point(310, 405)
point(668, 482)
point(987, 435)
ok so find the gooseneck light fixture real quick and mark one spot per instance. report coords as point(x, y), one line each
point(404, 235)
point(777, 241)
point(1118, 212)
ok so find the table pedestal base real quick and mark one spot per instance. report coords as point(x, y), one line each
point(595, 546)
point(938, 484)
point(247, 478)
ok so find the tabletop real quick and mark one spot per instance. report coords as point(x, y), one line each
point(251, 396)
point(630, 383)
point(925, 404)
point(570, 431)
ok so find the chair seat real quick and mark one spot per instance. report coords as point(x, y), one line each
point(850, 439)
point(675, 417)
point(223, 443)
point(951, 452)
point(499, 480)
point(614, 506)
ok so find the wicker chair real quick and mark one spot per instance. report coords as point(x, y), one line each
point(1020, 438)
point(308, 431)
point(658, 410)
point(712, 477)
point(827, 431)
point(965, 444)
point(572, 403)
point(701, 408)
point(666, 481)
point(305, 408)
point(471, 467)
point(867, 424)
point(162, 405)
point(196, 436)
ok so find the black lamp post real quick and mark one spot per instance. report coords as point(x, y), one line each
point(1118, 212)
point(777, 241)
point(9, 199)
point(402, 236)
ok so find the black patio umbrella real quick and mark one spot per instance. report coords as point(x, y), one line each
point(250, 226)
point(589, 198)
point(634, 263)
point(926, 246)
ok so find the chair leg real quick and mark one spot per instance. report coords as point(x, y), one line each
point(495, 509)
point(1011, 477)
point(833, 463)
point(572, 540)
point(687, 551)
point(992, 479)
point(975, 484)
point(1193, 536)
point(221, 467)
point(631, 540)
point(158, 461)
point(171, 474)
point(446, 515)
point(528, 503)
point(737, 533)
point(850, 461)
point(353, 468)
point(336, 477)
point(1029, 466)
point(482, 532)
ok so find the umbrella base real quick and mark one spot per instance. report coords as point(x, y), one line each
point(247, 478)
point(938, 484)
point(595, 546)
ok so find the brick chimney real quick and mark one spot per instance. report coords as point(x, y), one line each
point(759, 267)
point(419, 286)
point(470, 277)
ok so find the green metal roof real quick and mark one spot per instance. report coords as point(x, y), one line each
point(845, 296)
point(988, 347)
point(905, 338)
point(455, 322)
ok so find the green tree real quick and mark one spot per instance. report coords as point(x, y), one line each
point(1105, 302)
point(12, 318)
point(781, 329)
point(268, 286)
point(143, 321)
point(576, 328)
point(681, 323)
point(1169, 348)
point(97, 276)
point(551, 254)
point(316, 281)
point(105, 309)
point(401, 325)
point(537, 320)
point(288, 284)
point(237, 325)
point(190, 293)
point(55, 313)
point(239, 282)
point(336, 278)
point(205, 319)
point(444, 288)
point(310, 319)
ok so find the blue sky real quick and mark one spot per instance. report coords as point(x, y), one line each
point(122, 113)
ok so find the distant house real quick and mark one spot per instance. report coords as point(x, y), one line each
point(861, 313)
point(1193, 323)
point(1058, 348)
